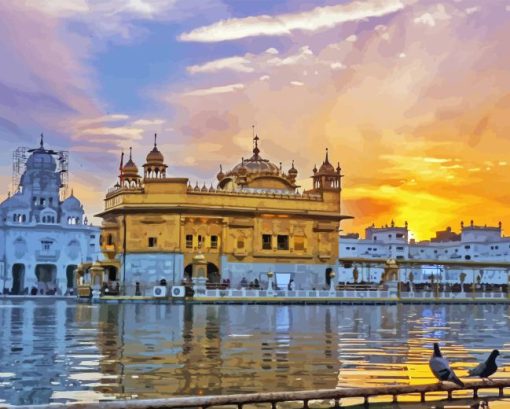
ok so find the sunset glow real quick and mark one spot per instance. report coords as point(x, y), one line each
point(412, 97)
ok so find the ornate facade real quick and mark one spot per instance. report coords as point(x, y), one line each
point(43, 238)
point(254, 221)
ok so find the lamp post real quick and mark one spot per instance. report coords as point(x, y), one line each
point(269, 280)
point(331, 281)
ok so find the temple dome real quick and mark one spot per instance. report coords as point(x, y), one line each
point(14, 202)
point(130, 168)
point(41, 159)
point(71, 203)
point(257, 173)
point(327, 167)
point(155, 157)
point(255, 164)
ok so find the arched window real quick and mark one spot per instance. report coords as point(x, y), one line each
point(44, 219)
point(24, 218)
point(110, 239)
point(14, 217)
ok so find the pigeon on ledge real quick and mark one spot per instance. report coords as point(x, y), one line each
point(487, 368)
point(441, 368)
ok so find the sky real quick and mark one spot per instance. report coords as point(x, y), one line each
point(412, 97)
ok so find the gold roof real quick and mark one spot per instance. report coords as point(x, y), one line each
point(257, 167)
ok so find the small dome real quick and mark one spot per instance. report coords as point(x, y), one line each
point(155, 157)
point(14, 202)
point(293, 171)
point(326, 167)
point(130, 169)
point(220, 174)
point(71, 203)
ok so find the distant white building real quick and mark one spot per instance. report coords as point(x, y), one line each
point(42, 238)
point(474, 244)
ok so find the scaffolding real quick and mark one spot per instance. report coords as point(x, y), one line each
point(19, 161)
point(63, 169)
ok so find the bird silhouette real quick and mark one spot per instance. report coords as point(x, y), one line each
point(441, 368)
point(487, 368)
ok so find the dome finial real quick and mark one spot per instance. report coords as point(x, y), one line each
point(327, 156)
point(130, 153)
point(42, 140)
point(155, 139)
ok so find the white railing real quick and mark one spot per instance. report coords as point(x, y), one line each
point(243, 293)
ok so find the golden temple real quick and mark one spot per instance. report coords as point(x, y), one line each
point(254, 221)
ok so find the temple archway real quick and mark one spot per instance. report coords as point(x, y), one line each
point(18, 278)
point(70, 275)
point(188, 272)
point(46, 277)
point(213, 273)
point(327, 276)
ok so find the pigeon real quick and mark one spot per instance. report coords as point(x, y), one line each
point(441, 368)
point(487, 368)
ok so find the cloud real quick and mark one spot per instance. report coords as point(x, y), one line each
point(337, 66)
point(303, 53)
point(215, 90)
point(431, 18)
point(319, 18)
point(122, 17)
point(239, 64)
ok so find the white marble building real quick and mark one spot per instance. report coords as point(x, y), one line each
point(474, 244)
point(42, 238)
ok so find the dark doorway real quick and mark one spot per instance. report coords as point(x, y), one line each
point(46, 276)
point(188, 272)
point(70, 276)
point(328, 276)
point(213, 273)
point(112, 273)
point(18, 278)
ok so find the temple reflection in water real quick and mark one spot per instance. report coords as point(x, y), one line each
point(65, 351)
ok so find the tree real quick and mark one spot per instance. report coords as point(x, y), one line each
point(462, 278)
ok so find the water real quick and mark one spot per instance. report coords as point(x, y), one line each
point(59, 351)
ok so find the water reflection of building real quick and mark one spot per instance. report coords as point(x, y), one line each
point(254, 221)
point(43, 238)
